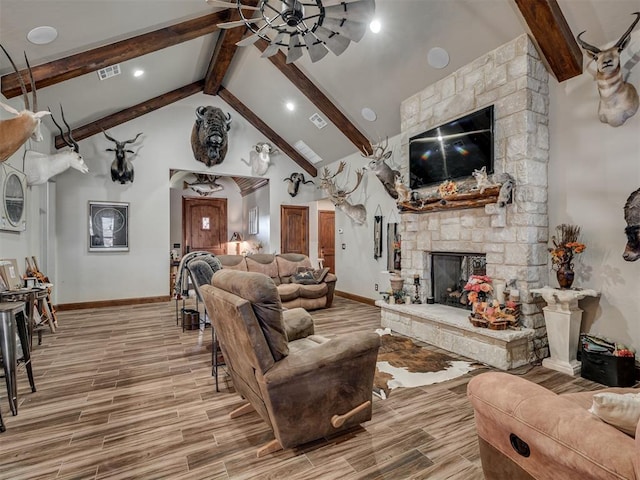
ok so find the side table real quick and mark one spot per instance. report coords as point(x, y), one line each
point(563, 318)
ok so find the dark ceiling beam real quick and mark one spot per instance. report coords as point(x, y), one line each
point(554, 37)
point(86, 62)
point(223, 53)
point(263, 128)
point(319, 99)
point(136, 111)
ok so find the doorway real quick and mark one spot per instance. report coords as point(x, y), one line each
point(327, 239)
point(204, 225)
point(294, 229)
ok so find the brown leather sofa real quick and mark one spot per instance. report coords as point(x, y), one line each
point(281, 269)
point(304, 389)
point(526, 431)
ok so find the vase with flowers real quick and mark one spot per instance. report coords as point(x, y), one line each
point(478, 287)
point(565, 247)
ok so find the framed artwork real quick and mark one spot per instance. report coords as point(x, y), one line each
point(108, 227)
point(253, 221)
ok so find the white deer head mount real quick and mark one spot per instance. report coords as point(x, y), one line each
point(618, 99)
point(340, 197)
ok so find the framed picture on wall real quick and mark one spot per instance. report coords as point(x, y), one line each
point(253, 221)
point(108, 227)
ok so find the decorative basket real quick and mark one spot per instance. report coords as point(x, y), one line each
point(478, 322)
point(499, 325)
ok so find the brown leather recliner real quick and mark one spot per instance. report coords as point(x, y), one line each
point(304, 389)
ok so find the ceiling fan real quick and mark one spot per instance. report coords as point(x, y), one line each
point(319, 26)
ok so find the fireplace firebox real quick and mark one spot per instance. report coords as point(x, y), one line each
point(450, 272)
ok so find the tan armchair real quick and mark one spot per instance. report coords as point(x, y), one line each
point(304, 389)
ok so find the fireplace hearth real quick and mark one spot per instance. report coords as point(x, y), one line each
point(450, 272)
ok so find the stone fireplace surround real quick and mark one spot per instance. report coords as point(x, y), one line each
point(514, 238)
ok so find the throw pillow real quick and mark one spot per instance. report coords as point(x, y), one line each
point(622, 410)
point(310, 277)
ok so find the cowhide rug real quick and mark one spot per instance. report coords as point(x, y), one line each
point(402, 363)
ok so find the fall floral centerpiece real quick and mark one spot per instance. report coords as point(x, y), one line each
point(565, 247)
point(478, 287)
point(489, 313)
point(448, 187)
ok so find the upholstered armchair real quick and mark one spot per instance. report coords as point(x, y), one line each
point(304, 389)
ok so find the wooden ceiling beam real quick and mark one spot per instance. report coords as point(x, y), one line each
point(263, 128)
point(223, 53)
point(554, 37)
point(86, 62)
point(136, 111)
point(319, 99)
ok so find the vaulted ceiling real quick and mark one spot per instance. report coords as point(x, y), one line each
point(182, 52)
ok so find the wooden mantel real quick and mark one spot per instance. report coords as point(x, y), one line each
point(456, 201)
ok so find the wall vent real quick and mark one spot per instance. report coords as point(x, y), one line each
point(108, 72)
point(318, 121)
point(306, 151)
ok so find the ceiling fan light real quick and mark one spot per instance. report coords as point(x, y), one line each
point(354, 31)
point(334, 42)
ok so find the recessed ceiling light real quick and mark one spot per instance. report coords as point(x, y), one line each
point(369, 114)
point(290, 106)
point(438, 57)
point(375, 26)
point(138, 73)
point(42, 35)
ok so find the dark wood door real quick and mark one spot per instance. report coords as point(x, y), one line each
point(294, 229)
point(327, 238)
point(204, 225)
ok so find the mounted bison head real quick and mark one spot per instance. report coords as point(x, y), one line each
point(632, 217)
point(209, 135)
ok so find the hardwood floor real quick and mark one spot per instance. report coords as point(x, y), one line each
point(124, 393)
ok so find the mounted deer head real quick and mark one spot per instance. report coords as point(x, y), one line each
point(384, 172)
point(618, 99)
point(15, 131)
point(340, 197)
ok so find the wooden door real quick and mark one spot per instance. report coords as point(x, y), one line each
point(204, 225)
point(294, 229)
point(327, 238)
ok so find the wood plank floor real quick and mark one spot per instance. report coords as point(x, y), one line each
point(124, 393)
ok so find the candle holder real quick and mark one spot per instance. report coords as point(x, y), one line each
point(416, 283)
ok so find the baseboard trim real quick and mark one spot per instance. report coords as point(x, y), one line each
point(112, 303)
point(357, 298)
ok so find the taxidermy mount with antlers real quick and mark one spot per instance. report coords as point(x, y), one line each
point(384, 172)
point(15, 131)
point(340, 197)
point(121, 167)
point(40, 167)
point(209, 141)
point(618, 99)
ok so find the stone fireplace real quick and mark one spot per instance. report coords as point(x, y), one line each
point(513, 238)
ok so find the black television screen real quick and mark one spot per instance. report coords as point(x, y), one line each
point(452, 151)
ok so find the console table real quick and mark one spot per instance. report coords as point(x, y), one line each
point(563, 318)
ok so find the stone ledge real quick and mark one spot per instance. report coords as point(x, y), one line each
point(449, 328)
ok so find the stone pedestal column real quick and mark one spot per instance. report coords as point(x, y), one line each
point(563, 318)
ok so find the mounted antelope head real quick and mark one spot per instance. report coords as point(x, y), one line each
point(340, 197)
point(40, 167)
point(384, 172)
point(15, 131)
point(618, 99)
point(121, 167)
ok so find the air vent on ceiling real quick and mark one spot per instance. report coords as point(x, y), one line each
point(108, 72)
point(306, 151)
point(318, 121)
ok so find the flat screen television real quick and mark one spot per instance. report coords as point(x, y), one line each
point(452, 151)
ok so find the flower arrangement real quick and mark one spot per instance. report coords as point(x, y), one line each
point(478, 286)
point(565, 245)
point(447, 188)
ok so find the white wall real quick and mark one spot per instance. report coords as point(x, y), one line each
point(592, 170)
point(259, 199)
point(33, 240)
point(144, 270)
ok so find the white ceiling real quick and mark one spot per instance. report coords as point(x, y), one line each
point(378, 72)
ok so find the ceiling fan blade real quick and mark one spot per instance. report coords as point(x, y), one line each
point(238, 23)
point(348, 28)
point(273, 48)
point(360, 10)
point(222, 3)
point(250, 40)
point(334, 42)
point(316, 48)
point(294, 52)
